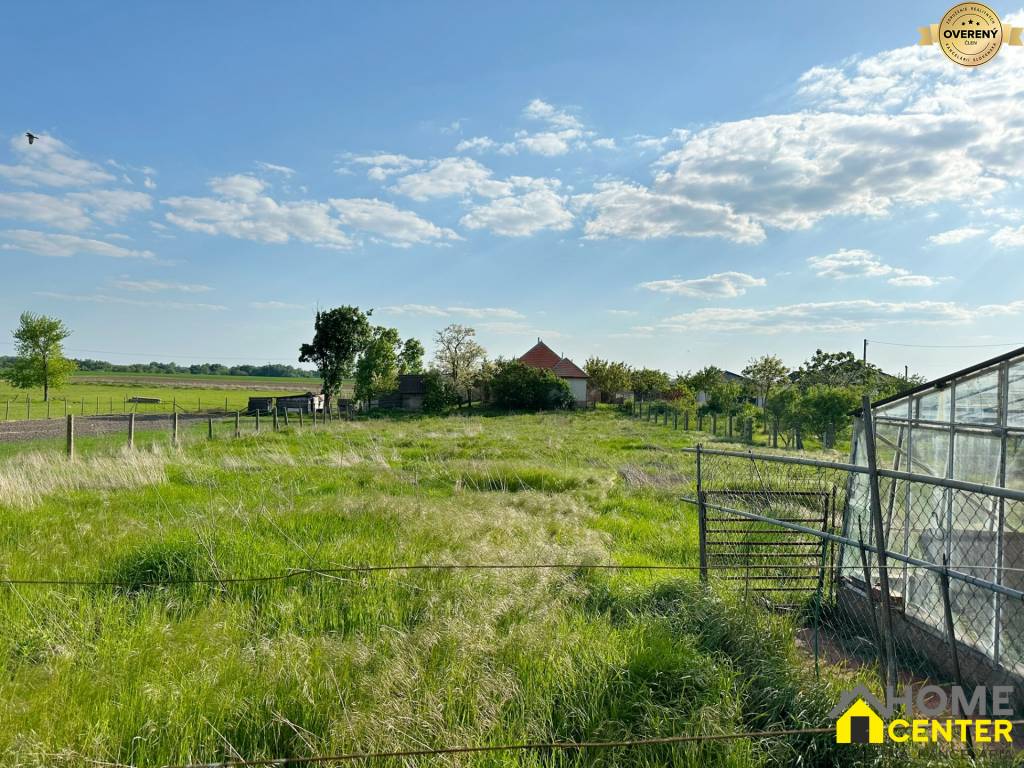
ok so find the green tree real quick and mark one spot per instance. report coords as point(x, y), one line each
point(706, 379)
point(339, 337)
point(439, 392)
point(521, 387)
point(458, 356)
point(39, 354)
point(648, 383)
point(377, 368)
point(827, 411)
point(784, 409)
point(607, 377)
point(410, 359)
point(767, 372)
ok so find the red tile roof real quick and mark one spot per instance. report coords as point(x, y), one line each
point(543, 356)
point(567, 369)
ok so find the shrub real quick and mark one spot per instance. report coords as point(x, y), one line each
point(520, 387)
point(440, 394)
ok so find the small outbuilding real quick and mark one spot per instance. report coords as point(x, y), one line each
point(304, 403)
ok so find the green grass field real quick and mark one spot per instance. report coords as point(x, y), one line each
point(324, 664)
point(101, 393)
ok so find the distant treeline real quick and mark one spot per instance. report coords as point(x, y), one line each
point(102, 366)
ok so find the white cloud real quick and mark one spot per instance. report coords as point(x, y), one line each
point(834, 316)
point(622, 209)
point(112, 206)
point(1008, 237)
point(49, 162)
point(431, 310)
point(622, 312)
point(954, 236)
point(148, 183)
point(727, 285)
point(388, 223)
point(604, 143)
point(51, 244)
point(855, 262)
point(563, 132)
point(382, 165)
point(40, 208)
point(242, 211)
point(284, 170)
point(100, 298)
point(451, 177)
point(522, 214)
point(538, 109)
point(158, 286)
point(475, 144)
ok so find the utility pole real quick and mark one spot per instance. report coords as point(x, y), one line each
point(864, 358)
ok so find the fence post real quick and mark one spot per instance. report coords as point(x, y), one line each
point(131, 430)
point(675, 419)
point(71, 436)
point(238, 429)
point(174, 428)
point(880, 543)
point(82, 403)
point(257, 421)
point(47, 409)
point(313, 412)
point(300, 417)
point(209, 429)
point(686, 421)
point(274, 414)
point(286, 417)
point(7, 414)
point(714, 424)
point(702, 520)
point(225, 406)
point(28, 406)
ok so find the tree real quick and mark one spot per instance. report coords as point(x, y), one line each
point(39, 350)
point(607, 377)
point(767, 372)
point(339, 336)
point(649, 382)
point(706, 379)
point(439, 393)
point(827, 410)
point(458, 355)
point(784, 408)
point(410, 359)
point(518, 386)
point(377, 368)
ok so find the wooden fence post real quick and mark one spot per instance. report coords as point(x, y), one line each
point(686, 421)
point(28, 406)
point(225, 406)
point(300, 418)
point(71, 436)
point(714, 423)
point(174, 428)
point(257, 421)
point(238, 429)
point(274, 413)
point(47, 409)
point(209, 429)
point(65, 407)
point(675, 419)
point(131, 430)
point(286, 417)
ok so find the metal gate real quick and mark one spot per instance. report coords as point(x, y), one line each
point(782, 566)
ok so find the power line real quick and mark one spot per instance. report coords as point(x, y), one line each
point(527, 747)
point(946, 346)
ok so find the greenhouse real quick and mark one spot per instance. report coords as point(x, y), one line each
point(948, 451)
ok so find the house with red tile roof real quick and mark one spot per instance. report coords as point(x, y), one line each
point(542, 356)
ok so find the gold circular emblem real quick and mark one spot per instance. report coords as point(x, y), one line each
point(970, 34)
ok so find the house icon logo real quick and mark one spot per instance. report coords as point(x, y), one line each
point(857, 718)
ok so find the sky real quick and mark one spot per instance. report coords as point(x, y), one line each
point(632, 181)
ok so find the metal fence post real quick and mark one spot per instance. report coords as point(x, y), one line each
point(131, 430)
point(880, 543)
point(71, 436)
point(702, 519)
point(954, 656)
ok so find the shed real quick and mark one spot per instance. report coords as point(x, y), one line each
point(305, 403)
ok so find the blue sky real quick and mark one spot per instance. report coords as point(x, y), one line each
point(636, 182)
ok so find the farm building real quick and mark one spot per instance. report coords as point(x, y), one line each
point(409, 395)
point(304, 403)
point(542, 356)
point(959, 443)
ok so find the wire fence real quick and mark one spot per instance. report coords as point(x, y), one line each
point(870, 558)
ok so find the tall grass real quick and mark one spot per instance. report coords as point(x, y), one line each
point(147, 675)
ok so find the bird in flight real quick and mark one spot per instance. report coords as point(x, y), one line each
point(31, 137)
